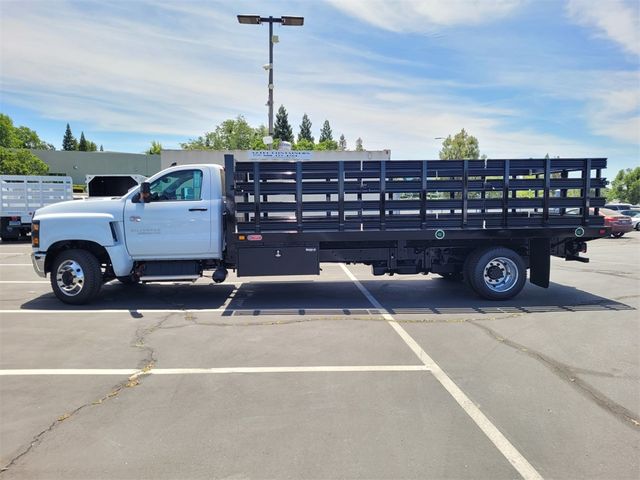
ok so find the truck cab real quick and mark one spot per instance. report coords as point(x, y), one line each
point(166, 234)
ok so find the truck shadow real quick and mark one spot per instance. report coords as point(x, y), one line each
point(333, 298)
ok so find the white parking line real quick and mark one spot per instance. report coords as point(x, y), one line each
point(24, 281)
point(200, 371)
point(16, 264)
point(114, 310)
point(505, 447)
point(247, 310)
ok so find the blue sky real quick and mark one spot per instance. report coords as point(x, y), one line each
point(525, 77)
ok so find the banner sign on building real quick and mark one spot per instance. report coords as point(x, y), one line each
point(280, 155)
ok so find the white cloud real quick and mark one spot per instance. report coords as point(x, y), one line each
point(609, 100)
point(113, 73)
point(614, 19)
point(423, 16)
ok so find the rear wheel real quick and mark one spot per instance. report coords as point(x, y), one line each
point(496, 273)
point(617, 234)
point(76, 276)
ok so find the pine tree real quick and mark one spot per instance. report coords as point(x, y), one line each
point(68, 141)
point(282, 129)
point(101, 149)
point(342, 144)
point(83, 146)
point(305, 129)
point(359, 147)
point(325, 133)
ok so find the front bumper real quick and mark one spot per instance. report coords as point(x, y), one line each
point(37, 258)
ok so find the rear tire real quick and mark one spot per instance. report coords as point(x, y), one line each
point(617, 235)
point(76, 276)
point(496, 273)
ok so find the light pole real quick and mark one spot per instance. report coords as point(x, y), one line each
point(285, 21)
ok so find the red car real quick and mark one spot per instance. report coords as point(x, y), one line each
point(619, 223)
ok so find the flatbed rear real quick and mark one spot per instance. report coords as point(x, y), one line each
point(415, 216)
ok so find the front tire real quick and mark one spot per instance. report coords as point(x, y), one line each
point(496, 273)
point(617, 235)
point(76, 276)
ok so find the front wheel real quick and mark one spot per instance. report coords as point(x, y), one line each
point(76, 276)
point(617, 234)
point(496, 273)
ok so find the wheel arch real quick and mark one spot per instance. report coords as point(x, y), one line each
point(96, 249)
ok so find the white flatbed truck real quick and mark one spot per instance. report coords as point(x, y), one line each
point(22, 195)
point(461, 219)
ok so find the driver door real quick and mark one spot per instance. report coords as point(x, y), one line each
point(176, 223)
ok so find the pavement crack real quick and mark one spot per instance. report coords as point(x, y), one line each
point(140, 342)
point(37, 439)
point(146, 364)
point(192, 320)
point(570, 375)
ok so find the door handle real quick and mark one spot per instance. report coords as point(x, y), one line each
point(198, 209)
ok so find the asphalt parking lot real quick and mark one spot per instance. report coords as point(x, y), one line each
point(344, 375)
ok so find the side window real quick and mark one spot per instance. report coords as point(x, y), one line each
point(183, 185)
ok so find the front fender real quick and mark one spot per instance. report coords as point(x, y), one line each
point(91, 227)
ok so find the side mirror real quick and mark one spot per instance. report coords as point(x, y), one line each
point(145, 192)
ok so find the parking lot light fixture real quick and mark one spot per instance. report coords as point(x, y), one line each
point(293, 21)
point(249, 19)
point(258, 20)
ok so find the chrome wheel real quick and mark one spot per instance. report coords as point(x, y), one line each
point(70, 278)
point(500, 274)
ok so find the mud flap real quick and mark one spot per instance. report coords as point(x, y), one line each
point(539, 261)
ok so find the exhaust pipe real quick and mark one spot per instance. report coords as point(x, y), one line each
point(220, 275)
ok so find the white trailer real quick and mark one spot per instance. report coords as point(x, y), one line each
point(22, 195)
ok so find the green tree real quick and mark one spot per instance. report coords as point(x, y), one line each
point(359, 147)
point(82, 144)
point(27, 138)
point(20, 137)
point(229, 135)
point(326, 145)
point(305, 130)
point(282, 129)
point(8, 138)
point(258, 134)
point(101, 148)
point(461, 147)
point(342, 144)
point(69, 142)
point(91, 146)
point(326, 133)
point(304, 144)
point(626, 186)
point(155, 148)
point(21, 162)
